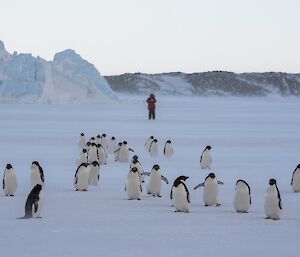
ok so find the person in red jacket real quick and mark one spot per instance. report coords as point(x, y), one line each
point(151, 106)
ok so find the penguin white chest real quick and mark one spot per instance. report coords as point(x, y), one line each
point(180, 197)
point(296, 181)
point(133, 187)
point(94, 175)
point(272, 209)
point(154, 184)
point(242, 200)
point(10, 182)
point(82, 179)
point(206, 160)
point(154, 149)
point(169, 151)
point(36, 176)
point(210, 194)
point(123, 154)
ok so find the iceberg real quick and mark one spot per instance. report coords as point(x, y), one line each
point(68, 78)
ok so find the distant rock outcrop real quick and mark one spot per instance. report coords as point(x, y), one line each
point(219, 83)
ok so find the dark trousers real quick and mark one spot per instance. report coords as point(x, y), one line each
point(152, 114)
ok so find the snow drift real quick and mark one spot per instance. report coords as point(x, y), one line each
point(68, 78)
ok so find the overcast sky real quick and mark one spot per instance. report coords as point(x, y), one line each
point(154, 36)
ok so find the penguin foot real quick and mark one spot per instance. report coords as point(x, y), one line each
point(158, 195)
point(267, 218)
point(218, 204)
point(139, 199)
point(11, 195)
point(206, 205)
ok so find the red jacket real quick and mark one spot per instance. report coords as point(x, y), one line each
point(151, 103)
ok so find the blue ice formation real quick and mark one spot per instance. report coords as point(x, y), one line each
point(68, 78)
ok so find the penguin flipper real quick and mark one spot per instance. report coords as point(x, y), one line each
point(171, 194)
point(117, 150)
point(3, 184)
point(220, 182)
point(131, 150)
point(36, 206)
point(146, 173)
point(164, 179)
point(200, 185)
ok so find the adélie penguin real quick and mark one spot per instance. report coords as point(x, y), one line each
point(133, 186)
point(180, 195)
point(273, 206)
point(242, 199)
point(9, 181)
point(154, 183)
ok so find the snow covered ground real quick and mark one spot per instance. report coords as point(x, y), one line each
point(252, 138)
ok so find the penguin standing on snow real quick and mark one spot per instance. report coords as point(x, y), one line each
point(154, 184)
point(273, 207)
point(104, 141)
point(180, 195)
point(117, 152)
point(210, 194)
point(81, 142)
point(242, 199)
point(102, 156)
point(98, 140)
point(94, 174)
point(168, 149)
point(205, 159)
point(112, 145)
point(295, 182)
point(37, 174)
point(93, 153)
point(136, 163)
point(83, 157)
point(34, 202)
point(133, 186)
point(9, 181)
point(81, 180)
point(148, 143)
point(153, 149)
point(124, 152)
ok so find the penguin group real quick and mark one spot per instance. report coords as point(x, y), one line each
point(95, 152)
point(35, 198)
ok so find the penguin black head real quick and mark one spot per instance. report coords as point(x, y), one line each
point(99, 145)
point(84, 150)
point(135, 161)
point(135, 157)
point(8, 166)
point(212, 175)
point(179, 180)
point(134, 169)
point(92, 138)
point(98, 136)
point(125, 142)
point(155, 140)
point(95, 163)
point(113, 138)
point(208, 147)
point(168, 142)
point(103, 135)
point(82, 134)
point(88, 143)
point(272, 182)
point(85, 164)
point(35, 163)
point(156, 167)
point(120, 143)
point(93, 144)
point(151, 137)
point(298, 166)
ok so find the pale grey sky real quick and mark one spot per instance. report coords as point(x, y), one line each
point(154, 36)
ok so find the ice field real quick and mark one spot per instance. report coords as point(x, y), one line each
point(252, 139)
